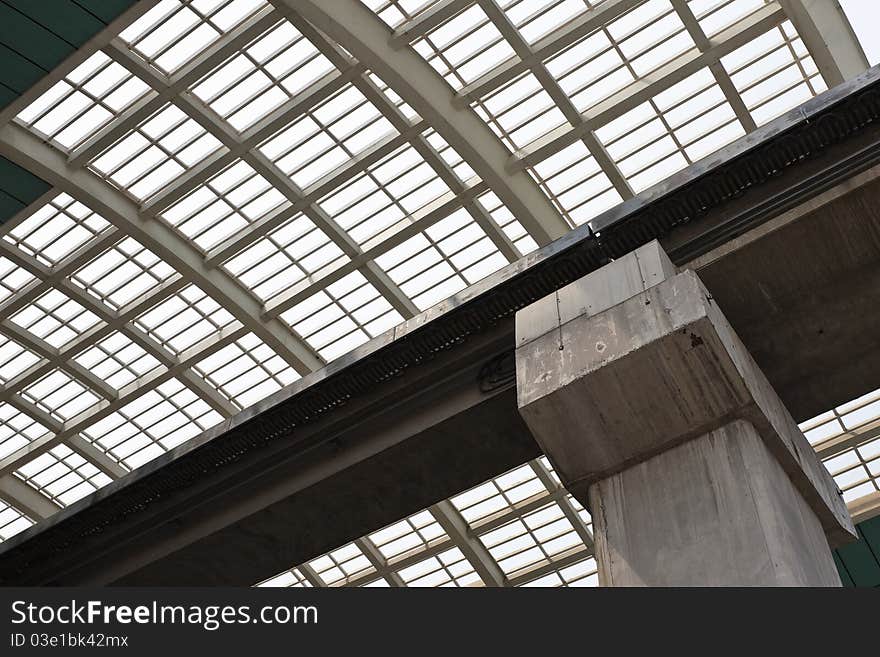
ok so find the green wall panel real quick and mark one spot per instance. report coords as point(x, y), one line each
point(35, 37)
point(859, 563)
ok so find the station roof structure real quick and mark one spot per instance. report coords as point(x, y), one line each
point(209, 199)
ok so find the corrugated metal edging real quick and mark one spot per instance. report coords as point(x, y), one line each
point(36, 36)
point(859, 563)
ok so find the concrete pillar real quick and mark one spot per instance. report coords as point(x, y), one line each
point(659, 421)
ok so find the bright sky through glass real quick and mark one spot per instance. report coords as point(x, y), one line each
point(282, 205)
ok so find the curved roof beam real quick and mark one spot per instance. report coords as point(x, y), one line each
point(31, 152)
point(363, 34)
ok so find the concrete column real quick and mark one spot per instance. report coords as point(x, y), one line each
point(659, 421)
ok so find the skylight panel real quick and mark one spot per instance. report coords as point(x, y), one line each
point(12, 278)
point(774, 73)
point(153, 423)
point(117, 360)
point(157, 151)
point(62, 475)
point(387, 195)
point(225, 204)
point(56, 230)
point(173, 32)
point(337, 567)
point(464, 47)
point(331, 135)
point(520, 111)
point(122, 273)
point(717, 15)
point(649, 36)
point(14, 359)
point(590, 70)
point(507, 222)
point(276, 67)
point(583, 573)
point(12, 521)
point(499, 495)
point(88, 98)
point(184, 319)
point(342, 317)
point(576, 184)
point(449, 568)
point(17, 429)
point(534, 18)
point(292, 578)
point(415, 533)
point(536, 538)
point(444, 259)
point(246, 371)
point(395, 12)
point(55, 318)
point(284, 257)
point(60, 395)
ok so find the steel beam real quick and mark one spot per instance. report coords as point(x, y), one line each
point(349, 22)
point(829, 37)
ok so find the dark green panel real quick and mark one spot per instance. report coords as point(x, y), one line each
point(8, 206)
point(861, 560)
point(32, 40)
point(842, 571)
point(18, 187)
point(63, 17)
point(106, 10)
point(16, 72)
point(6, 95)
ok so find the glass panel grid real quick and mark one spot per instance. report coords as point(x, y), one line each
point(385, 197)
point(87, 99)
point(246, 371)
point(12, 521)
point(60, 395)
point(464, 47)
point(17, 429)
point(122, 273)
point(276, 67)
point(449, 568)
point(62, 475)
point(12, 278)
point(284, 257)
point(56, 230)
point(442, 260)
point(857, 469)
point(414, 534)
point(624, 50)
point(338, 567)
point(175, 31)
point(184, 319)
point(158, 420)
point(327, 136)
point(14, 359)
point(55, 318)
point(157, 151)
point(117, 360)
point(343, 316)
point(674, 129)
point(227, 203)
point(774, 73)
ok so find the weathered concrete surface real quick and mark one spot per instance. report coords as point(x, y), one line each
point(803, 293)
point(714, 511)
point(647, 374)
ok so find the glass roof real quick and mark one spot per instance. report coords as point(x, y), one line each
point(523, 528)
point(288, 205)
